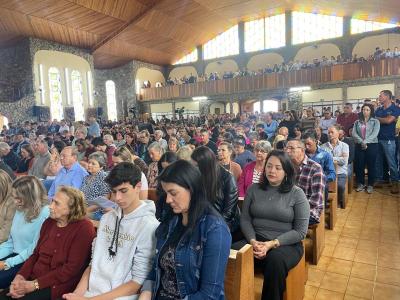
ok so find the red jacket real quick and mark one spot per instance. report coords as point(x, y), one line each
point(246, 178)
point(60, 257)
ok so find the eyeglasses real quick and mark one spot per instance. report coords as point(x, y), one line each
point(260, 150)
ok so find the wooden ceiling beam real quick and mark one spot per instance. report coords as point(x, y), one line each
point(119, 30)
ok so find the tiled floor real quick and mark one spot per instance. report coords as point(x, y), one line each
point(361, 259)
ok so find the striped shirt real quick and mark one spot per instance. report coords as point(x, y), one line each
point(311, 179)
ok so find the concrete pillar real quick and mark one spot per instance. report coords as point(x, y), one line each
point(344, 94)
point(288, 27)
point(173, 109)
point(241, 37)
point(346, 26)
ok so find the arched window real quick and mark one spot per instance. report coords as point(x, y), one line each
point(77, 98)
point(111, 100)
point(56, 107)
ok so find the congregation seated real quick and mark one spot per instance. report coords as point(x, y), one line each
point(31, 211)
point(94, 187)
point(192, 245)
point(61, 254)
point(155, 151)
point(274, 221)
point(309, 177)
point(71, 173)
point(26, 160)
point(220, 185)
point(7, 206)
point(123, 250)
point(9, 156)
point(324, 158)
point(225, 153)
point(124, 155)
point(243, 156)
point(252, 172)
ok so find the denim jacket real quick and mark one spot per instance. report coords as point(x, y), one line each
point(200, 259)
point(372, 131)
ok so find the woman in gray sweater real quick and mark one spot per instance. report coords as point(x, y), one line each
point(274, 220)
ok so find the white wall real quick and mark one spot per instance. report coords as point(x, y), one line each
point(219, 105)
point(366, 46)
point(310, 52)
point(60, 60)
point(261, 61)
point(153, 76)
point(368, 91)
point(221, 66)
point(235, 108)
point(161, 108)
point(325, 94)
point(193, 105)
point(179, 72)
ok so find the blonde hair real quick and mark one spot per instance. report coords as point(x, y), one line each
point(76, 203)
point(185, 153)
point(5, 187)
point(124, 154)
point(31, 191)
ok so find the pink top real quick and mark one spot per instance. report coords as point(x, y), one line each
point(246, 178)
point(363, 130)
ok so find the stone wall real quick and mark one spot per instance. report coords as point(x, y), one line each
point(17, 94)
point(125, 85)
point(124, 88)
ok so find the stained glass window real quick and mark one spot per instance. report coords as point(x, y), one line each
point(56, 107)
point(225, 44)
point(111, 100)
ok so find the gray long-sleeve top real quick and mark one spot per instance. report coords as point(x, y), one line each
point(275, 215)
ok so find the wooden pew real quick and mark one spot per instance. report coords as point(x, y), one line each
point(315, 241)
point(331, 211)
point(239, 274)
point(295, 282)
point(152, 194)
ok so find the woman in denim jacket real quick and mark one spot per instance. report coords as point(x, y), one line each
point(192, 245)
point(365, 134)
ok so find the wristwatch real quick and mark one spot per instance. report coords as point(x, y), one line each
point(276, 243)
point(36, 284)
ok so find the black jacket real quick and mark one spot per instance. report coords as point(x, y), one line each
point(227, 200)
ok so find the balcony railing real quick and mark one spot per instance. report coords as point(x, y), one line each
point(342, 72)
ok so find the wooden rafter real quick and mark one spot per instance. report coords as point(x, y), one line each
point(119, 30)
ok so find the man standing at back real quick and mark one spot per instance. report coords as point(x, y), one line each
point(387, 115)
point(347, 118)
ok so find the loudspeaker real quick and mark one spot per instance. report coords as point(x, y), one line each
point(36, 110)
point(99, 111)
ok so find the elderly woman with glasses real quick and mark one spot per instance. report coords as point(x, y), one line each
point(94, 188)
point(253, 171)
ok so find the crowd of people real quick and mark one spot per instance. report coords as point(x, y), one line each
point(296, 65)
point(56, 184)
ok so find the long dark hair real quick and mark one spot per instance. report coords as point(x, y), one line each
point(186, 175)
point(371, 107)
point(287, 165)
point(210, 170)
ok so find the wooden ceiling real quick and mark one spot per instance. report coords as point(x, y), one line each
point(156, 31)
